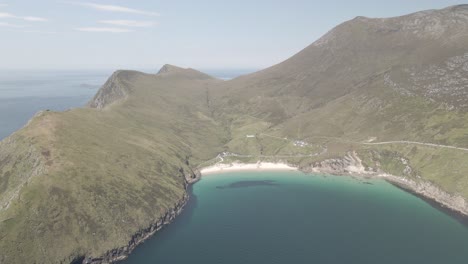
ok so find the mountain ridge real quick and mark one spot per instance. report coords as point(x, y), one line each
point(80, 184)
point(168, 70)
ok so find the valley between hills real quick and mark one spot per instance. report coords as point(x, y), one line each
point(374, 97)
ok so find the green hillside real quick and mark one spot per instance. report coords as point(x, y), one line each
point(83, 182)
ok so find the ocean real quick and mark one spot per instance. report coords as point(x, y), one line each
point(264, 217)
point(24, 93)
point(291, 217)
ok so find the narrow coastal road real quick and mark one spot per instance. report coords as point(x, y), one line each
point(377, 143)
point(415, 143)
point(220, 157)
point(394, 142)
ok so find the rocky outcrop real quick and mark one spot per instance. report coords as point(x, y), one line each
point(112, 91)
point(142, 235)
point(193, 177)
point(445, 81)
point(139, 237)
point(431, 191)
point(351, 164)
point(13, 177)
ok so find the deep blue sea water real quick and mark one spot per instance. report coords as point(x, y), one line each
point(290, 217)
point(24, 93)
point(280, 217)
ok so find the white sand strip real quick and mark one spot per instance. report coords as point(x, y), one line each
point(259, 166)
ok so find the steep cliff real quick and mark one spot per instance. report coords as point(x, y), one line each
point(373, 96)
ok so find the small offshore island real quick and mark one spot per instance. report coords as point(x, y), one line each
point(373, 98)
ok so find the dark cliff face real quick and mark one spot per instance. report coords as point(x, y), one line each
point(367, 78)
point(138, 238)
point(119, 86)
point(112, 91)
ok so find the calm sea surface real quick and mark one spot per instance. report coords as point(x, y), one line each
point(290, 217)
point(275, 217)
point(24, 93)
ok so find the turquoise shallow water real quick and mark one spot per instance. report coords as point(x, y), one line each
point(290, 217)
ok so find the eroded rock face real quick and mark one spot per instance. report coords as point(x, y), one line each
point(352, 79)
point(445, 82)
point(142, 235)
point(429, 24)
point(139, 237)
point(426, 189)
point(351, 164)
point(112, 91)
point(14, 177)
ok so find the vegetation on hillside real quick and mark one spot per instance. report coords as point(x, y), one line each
point(83, 181)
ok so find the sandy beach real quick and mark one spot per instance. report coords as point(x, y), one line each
point(259, 166)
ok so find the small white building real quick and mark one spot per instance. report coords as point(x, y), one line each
point(300, 143)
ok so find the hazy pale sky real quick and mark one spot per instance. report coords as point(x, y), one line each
point(145, 34)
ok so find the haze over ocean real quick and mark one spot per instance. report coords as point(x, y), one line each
point(345, 140)
point(25, 92)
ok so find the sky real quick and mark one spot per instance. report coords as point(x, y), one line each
point(202, 34)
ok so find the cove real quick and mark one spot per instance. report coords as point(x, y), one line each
point(291, 217)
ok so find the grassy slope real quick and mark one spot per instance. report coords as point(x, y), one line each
point(97, 176)
point(379, 113)
point(336, 93)
point(107, 173)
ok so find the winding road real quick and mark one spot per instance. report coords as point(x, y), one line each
point(413, 142)
point(221, 156)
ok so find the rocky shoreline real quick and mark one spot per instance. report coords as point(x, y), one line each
point(118, 254)
point(350, 165)
point(139, 237)
point(454, 205)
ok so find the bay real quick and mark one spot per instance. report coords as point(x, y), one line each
point(290, 217)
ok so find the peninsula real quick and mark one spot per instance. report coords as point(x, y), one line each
point(381, 97)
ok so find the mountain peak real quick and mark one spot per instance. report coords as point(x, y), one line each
point(114, 89)
point(167, 68)
point(171, 70)
point(461, 7)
